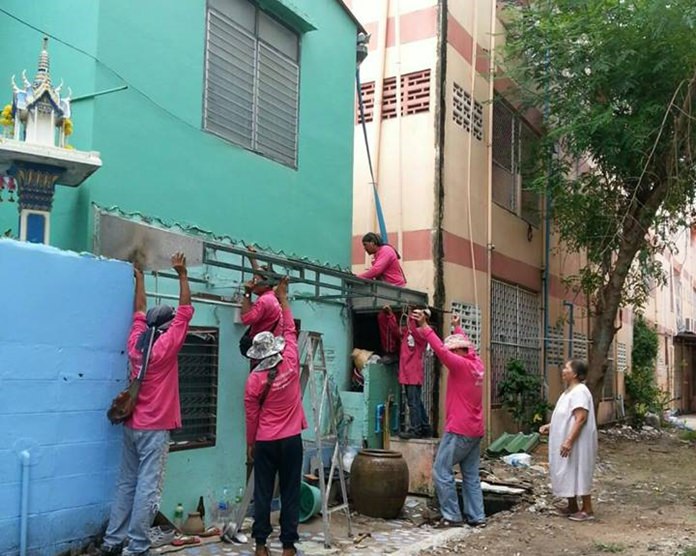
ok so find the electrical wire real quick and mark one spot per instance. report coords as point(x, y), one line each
point(103, 64)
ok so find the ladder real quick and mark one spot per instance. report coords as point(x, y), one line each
point(313, 365)
point(312, 369)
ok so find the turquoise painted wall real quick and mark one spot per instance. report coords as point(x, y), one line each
point(159, 162)
point(157, 159)
point(61, 363)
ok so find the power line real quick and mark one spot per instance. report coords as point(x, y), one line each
point(116, 73)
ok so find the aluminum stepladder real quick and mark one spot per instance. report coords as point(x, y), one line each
point(313, 364)
point(310, 347)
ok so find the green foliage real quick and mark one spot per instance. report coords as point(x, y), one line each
point(689, 436)
point(616, 81)
point(521, 392)
point(610, 547)
point(641, 389)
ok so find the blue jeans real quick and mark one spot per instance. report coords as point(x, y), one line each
point(139, 490)
point(463, 450)
point(418, 418)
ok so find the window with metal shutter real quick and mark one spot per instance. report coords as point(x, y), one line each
point(198, 379)
point(251, 80)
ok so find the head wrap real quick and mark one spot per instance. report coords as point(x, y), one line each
point(457, 341)
point(158, 319)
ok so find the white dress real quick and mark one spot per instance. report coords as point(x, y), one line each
point(572, 476)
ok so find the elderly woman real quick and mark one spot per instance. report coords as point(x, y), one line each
point(385, 264)
point(573, 443)
point(274, 423)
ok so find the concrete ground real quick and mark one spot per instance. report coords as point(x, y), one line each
point(406, 535)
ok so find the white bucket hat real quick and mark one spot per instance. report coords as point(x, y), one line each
point(264, 345)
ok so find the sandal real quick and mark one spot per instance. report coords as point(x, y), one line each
point(183, 541)
point(447, 524)
point(581, 516)
point(563, 512)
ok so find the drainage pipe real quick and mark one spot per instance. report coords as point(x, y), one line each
point(571, 323)
point(25, 457)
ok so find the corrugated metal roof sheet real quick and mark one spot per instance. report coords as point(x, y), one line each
point(508, 443)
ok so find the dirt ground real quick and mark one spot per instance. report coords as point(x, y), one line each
point(645, 504)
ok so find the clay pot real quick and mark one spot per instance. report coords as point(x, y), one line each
point(193, 525)
point(379, 483)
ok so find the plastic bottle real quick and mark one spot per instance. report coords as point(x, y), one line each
point(179, 515)
point(240, 495)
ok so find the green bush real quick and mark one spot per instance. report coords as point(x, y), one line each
point(522, 396)
point(641, 389)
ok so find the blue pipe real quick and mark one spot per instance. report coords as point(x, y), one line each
point(25, 456)
point(571, 309)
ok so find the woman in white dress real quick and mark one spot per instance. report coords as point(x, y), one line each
point(573, 443)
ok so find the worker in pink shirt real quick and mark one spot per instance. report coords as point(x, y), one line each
point(265, 314)
point(275, 420)
point(411, 360)
point(385, 262)
point(154, 343)
point(461, 442)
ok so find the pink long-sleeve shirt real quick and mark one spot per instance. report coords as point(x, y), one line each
point(158, 406)
point(282, 414)
point(410, 358)
point(463, 401)
point(385, 267)
point(265, 314)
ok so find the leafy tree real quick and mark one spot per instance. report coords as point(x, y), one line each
point(616, 80)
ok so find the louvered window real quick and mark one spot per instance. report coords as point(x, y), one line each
point(251, 80)
point(367, 92)
point(198, 379)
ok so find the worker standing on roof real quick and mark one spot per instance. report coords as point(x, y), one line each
point(385, 262)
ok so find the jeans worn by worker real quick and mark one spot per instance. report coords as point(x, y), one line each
point(139, 490)
point(283, 457)
point(418, 418)
point(465, 451)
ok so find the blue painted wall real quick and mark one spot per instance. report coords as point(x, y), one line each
point(61, 362)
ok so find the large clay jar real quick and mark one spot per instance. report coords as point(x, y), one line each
point(379, 483)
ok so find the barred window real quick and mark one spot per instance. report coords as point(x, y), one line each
point(609, 387)
point(515, 325)
point(470, 316)
point(252, 76)
point(514, 156)
point(198, 379)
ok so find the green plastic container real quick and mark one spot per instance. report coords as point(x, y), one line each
point(310, 501)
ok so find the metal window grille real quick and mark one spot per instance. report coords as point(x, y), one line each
point(529, 198)
point(514, 155)
point(367, 91)
point(198, 379)
point(621, 357)
point(251, 80)
point(466, 112)
point(556, 354)
point(515, 332)
point(609, 387)
point(504, 140)
point(580, 346)
point(470, 316)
